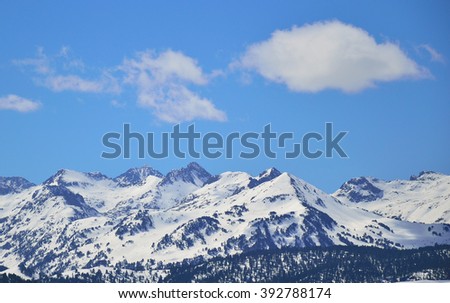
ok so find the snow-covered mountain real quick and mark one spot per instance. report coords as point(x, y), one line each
point(79, 222)
point(137, 176)
point(424, 198)
point(13, 185)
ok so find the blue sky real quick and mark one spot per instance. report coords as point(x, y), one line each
point(72, 71)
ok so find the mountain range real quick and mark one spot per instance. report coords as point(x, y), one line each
point(142, 222)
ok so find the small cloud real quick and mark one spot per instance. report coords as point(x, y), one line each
point(39, 64)
point(328, 55)
point(61, 83)
point(117, 104)
point(162, 81)
point(64, 51)
point(434, 54)
point(217, 73)
point(16, 103)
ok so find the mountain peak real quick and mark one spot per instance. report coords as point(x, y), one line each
point(270, 172)
point(58, 178)
point(13, 185)
point(194, 166)
point(425, 175)
point(67, 177)
point(192, 173)
point(96, 175)
point(61, 172)
point(267, 175)
point(360, 189)
point(137, 175)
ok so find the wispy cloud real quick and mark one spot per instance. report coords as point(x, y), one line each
point(61, 72)
point(40, 64)
point(328, 55)
point(117, 104)
point(60, 83)
point(16, 103)
point(163, 84)
point(434, 54)
point(163, 81)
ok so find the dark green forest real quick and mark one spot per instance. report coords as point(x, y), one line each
point(339, 264)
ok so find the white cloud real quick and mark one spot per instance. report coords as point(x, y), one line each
point(73, 83)
point(162, 82)
point(434, 54)
point(328, 55)
point(14, 102)
point(117, 104)
point(59, 83)
point(40, 64)
point(59, 73)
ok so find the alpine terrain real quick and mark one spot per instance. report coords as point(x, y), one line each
point(191, 226)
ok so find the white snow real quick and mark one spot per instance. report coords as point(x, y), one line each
point(425, 200)
point(230, 201)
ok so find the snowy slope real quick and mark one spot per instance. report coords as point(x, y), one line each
point(77, 222)
point(424, 198)
point(284, 211)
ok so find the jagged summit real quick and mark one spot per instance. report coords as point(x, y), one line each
point(10, 185)
point(194, 166)
point(192, 173)
point(267, 175)
point(96, 175)
point(360, 189)
point(271, 172)
point(67, 177)
point(59, 178)
point(138, 175)
point(426, 174)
